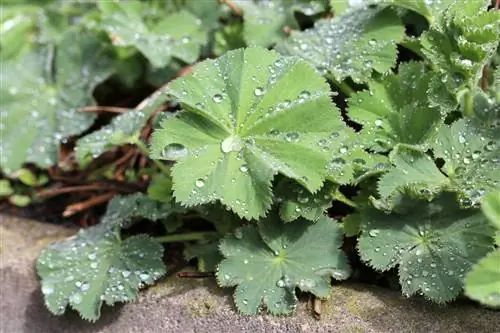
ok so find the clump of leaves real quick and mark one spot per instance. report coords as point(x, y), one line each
point(276, 129)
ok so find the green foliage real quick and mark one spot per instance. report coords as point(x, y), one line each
point(459, 44)
point(248, 117)
point(265, 21)
point(42, 91)
point(351, 45)
point(384, 114)
point(395, 109)
point(269, 261)
point(433, 244)
point(97, 266)
point(177, 35)
point(482, 283)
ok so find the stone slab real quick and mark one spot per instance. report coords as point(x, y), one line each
point(198, 306)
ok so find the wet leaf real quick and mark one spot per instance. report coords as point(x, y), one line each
point(247, 116)
point(268, 262)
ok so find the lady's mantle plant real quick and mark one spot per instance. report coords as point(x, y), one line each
point(262, 143)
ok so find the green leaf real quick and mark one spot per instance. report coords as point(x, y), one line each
point(206, 253)
point(491, 208)
point(160, 188)
point(247, 115)
point(123, 210)
point(5, 188)
point(45, 107)
point(264, 21)
point(415, 170)
point(395, 109)
point(459, 44)
point(267, 262)
point(19, 200)
point(483, 282)
point(123, 129)
point(178, 35)
point(97, 267)
point(351, 45)
point(471, 156)
point(431, 9)
point(295, 201)
point(433, 244)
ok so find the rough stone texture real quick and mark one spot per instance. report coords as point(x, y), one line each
point(196, 305)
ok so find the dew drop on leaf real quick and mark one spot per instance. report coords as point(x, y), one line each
point(174, 151)
point(217, 98)
point(231, 143)
point(259, 91)
point(244, 168)
point(291, 137)
point(374, 232)
point(199, 183)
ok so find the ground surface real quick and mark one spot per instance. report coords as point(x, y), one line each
point(196, 305)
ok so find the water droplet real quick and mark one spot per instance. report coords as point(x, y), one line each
point(461, 139)
point(244, 168)
point(280, 283)
point(200, 183)
point(126, 274)
point(259, 91)
point(75, 298)
point(245, 301)
point(231, 143)
point(47, 289)
point(85, 286)
point(245, 261)
point(374, 232)
point(378, 123)
point(238, 233)
point(217, 98)
point(291, 137)
point(174, 151)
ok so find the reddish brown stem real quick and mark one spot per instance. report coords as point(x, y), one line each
point(52, 192)
point(232, 6)
point(194, 275)
point(484, 78)
point(84, 205)
point(99, 108)
point(497, 4)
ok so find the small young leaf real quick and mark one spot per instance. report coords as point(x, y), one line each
point(459, 44)
point(45, 107)
point(395, 109)
point(483, 282)
point(247, 116)
point(350, 45)
point(177, 35)
point(433, 244)
point(267, 263)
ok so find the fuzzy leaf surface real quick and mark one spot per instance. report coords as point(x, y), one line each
point(45, 107)
point(266, 263)
point(178, 35)
point(433, 244)
point(471, 154)
point(431, 9)
point(247, 115)
point(351, 45)
point(96, 266)
point(483, 282)
point(264, 21)
point(295, 201)
point(459, 44)
point(395, 109)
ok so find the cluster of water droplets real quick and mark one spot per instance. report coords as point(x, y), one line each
point(339, 46)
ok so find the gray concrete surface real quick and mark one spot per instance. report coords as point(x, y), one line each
point(196, 305)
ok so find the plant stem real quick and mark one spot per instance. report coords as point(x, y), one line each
point(469, 104)
point(190, 236)
point(339, 196)
point(142, 147)
point(344, 87)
